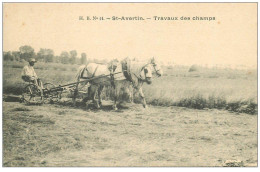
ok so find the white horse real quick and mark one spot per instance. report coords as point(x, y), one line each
point(138, 73)
point(100, 75)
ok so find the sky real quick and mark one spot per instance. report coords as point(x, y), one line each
point(229, 39)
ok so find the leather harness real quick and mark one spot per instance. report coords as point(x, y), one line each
point(85, 69)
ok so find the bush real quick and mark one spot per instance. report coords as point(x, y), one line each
point(194, 68)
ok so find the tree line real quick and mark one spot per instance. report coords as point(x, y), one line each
point(45, 55)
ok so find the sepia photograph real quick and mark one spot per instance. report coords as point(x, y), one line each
point(127, 84)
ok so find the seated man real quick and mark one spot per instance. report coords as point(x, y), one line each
point(29, 75)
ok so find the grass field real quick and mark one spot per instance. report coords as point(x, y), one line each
point(230, 89)
point(62, 135)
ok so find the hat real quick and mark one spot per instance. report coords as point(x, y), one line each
point(32, 60)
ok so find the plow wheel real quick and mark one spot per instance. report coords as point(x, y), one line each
point(32, 94)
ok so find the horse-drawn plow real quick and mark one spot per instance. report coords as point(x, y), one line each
point(34, 94)
point(100, 75)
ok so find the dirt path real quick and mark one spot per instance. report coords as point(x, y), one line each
point(56, 135)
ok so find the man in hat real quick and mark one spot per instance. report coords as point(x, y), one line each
point(29, 75)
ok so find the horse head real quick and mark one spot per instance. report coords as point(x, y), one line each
point(157, 68)
point(113, 64)
point(148, 74)
point(147, 70)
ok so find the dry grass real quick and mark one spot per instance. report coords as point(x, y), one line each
point(60, 135)
point(239, 95)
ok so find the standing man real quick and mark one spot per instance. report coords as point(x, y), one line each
point(29, 75)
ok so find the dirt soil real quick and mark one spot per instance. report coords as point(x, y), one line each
point(62, 135)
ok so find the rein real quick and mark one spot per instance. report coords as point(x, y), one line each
point(81, 76)
point(143, 69)
point(155, 69)
point(85, 69)
point(95, 71)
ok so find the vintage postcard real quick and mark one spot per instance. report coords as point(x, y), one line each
point(130, 85)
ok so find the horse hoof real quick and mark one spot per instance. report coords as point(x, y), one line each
point(115, 108)
point(97, 105)
point(52, 102)
point(86, 105)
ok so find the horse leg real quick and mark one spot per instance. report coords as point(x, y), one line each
point(115, 97)
point(93, 92)
point(131, 94)
point(85, 99)
point(91, 95)
point(143, 98)
point(99, 96)
point(75, 94)
point(96, 93)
